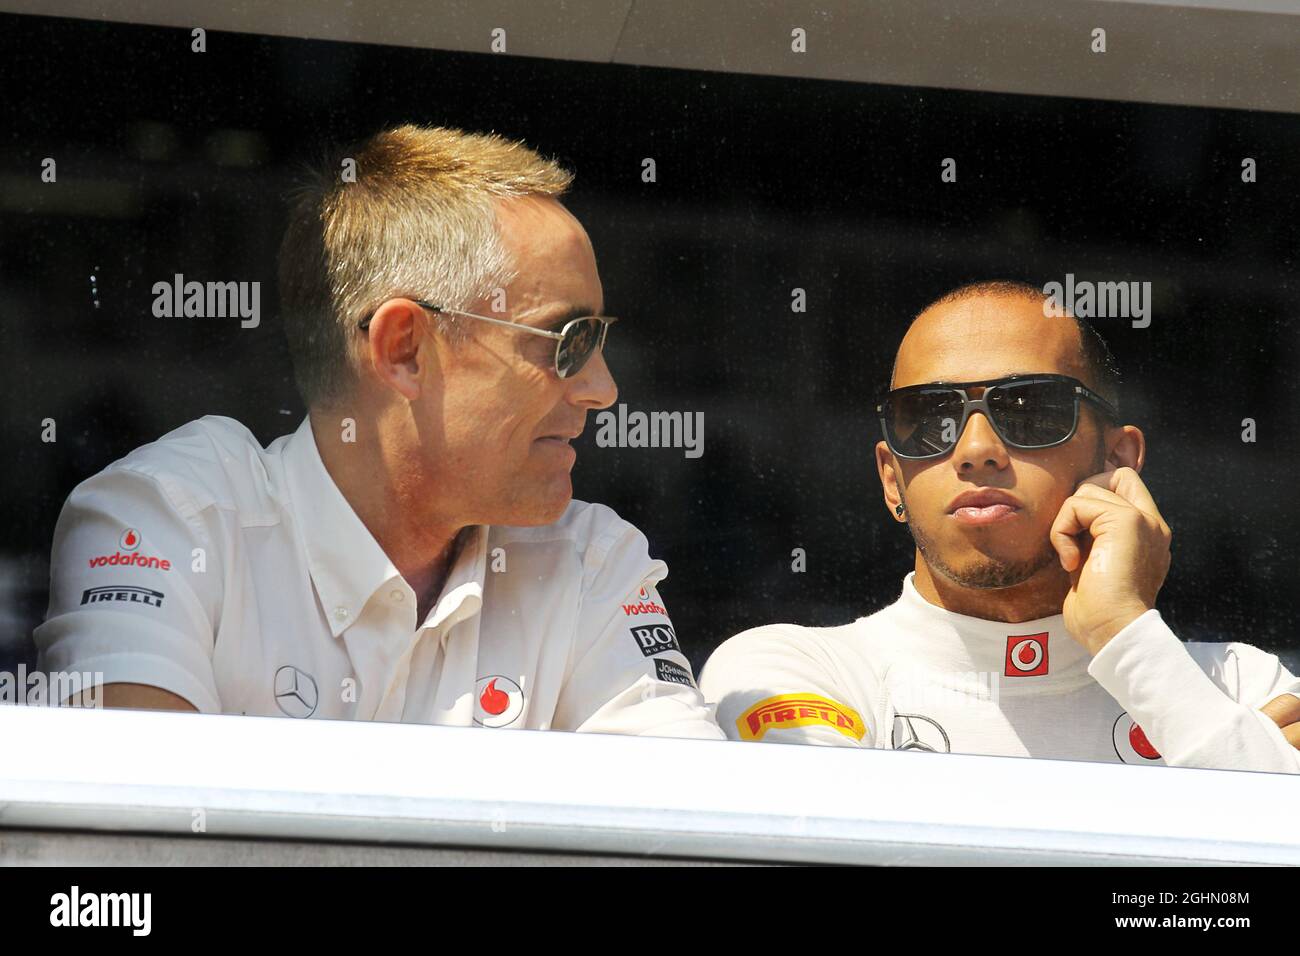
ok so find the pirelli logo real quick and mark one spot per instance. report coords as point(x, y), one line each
point(799, 710)
point(122, 592)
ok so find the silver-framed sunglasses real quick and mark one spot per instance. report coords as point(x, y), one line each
point(575, 343)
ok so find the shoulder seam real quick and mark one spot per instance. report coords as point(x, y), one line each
point(184, 505)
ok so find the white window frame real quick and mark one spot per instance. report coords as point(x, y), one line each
point(532, 791)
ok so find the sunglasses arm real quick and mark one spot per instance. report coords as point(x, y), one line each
point(1088, 394)
point(485, 318)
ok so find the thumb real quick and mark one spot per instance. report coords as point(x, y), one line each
point(1282, 710)
point(1292, 734)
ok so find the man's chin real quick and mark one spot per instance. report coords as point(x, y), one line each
point(988, 574)
point(553, 512)
point(979, 570)
point(542, 509)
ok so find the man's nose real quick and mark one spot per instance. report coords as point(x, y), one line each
point(594, 386)
point(979, 446)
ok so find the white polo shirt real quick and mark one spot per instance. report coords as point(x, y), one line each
point(914, 676)
point(241, 579)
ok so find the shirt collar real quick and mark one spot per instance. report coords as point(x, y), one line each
point(346, 563)
point(1012, 650)
point(462, 595)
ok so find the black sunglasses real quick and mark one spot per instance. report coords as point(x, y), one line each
point(1026, 412)
point(576, 342)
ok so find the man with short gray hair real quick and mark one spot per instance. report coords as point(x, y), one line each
point(412, 552)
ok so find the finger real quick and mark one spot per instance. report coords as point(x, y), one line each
point(1078, 512)
point(1101, 479)
point(1292, 734)
point(1104, 494)
point(1126, 483)
point(1283, 710)
point(1101, 494)
point(1076, 516)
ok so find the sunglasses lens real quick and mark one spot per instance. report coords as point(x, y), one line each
point(1032, 414)
point(923, 423)
point(579, 341)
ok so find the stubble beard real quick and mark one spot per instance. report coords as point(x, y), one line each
point(986, 573)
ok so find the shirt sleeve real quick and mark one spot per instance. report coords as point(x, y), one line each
point(131, 599)
point(1190, 717)
point(774, 685)
point(629, 675)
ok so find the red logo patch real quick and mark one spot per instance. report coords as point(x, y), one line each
point(1131, 742)
point(493, 701)
point(1026, 655)
point(1138, 739)
point(498, 701)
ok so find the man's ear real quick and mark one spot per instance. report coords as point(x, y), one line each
point(885, 467)
point(1126, 448)
point(396, 348)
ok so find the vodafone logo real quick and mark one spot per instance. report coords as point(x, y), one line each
point(127, 556)
point(498, 701)
point(1131, 744)
point(126, 559)
point(1026, 655)
point(644, 604)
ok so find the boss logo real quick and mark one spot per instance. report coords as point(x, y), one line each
point(655, 639)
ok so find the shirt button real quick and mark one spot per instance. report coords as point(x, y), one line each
point(341, 613)
point(396, 595)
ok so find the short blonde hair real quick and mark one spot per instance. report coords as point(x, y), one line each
point(418, 220)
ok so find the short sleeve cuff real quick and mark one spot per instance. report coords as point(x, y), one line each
point(157, 672)
point(131, 651)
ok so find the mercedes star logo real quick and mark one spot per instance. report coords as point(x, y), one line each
point(914, 732)
point(295, 692)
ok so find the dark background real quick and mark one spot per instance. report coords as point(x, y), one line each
point(171, 161)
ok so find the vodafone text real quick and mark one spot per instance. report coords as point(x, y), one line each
point(644, 605)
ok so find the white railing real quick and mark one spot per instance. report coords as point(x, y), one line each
point(528, 791)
